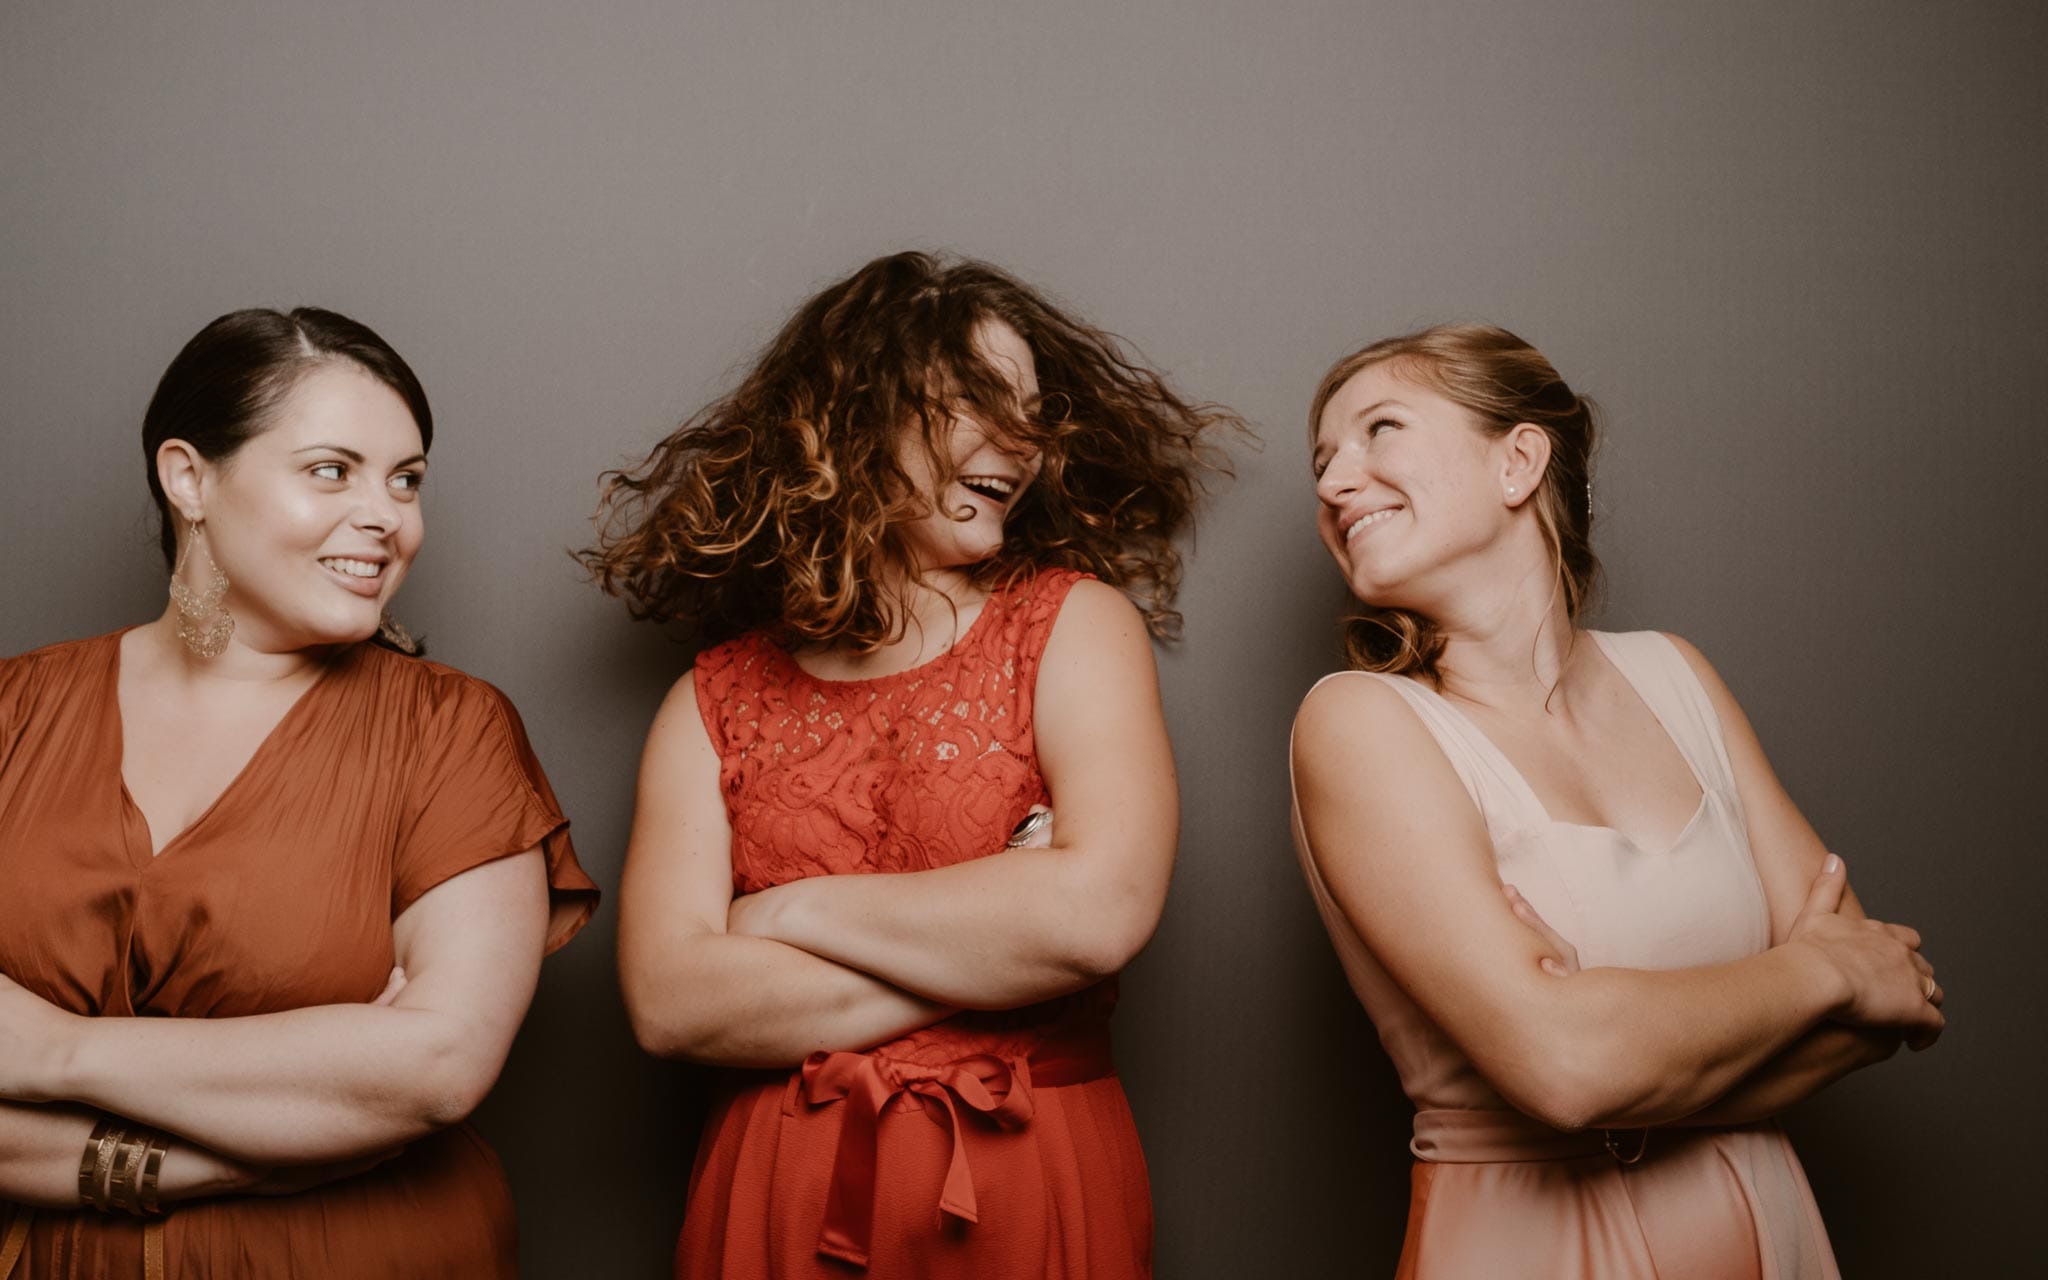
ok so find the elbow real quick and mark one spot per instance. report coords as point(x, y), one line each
point(1108, 944)
point(453, 1081)
point(1569, 1087)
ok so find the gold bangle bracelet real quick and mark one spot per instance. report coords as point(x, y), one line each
point(146, 1192)
point(124, 1188)
point(102, 1149)
point(89, 1163)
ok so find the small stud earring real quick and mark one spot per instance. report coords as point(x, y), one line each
point(1512, 491)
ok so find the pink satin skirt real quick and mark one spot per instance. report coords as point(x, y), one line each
point(1497, 1194)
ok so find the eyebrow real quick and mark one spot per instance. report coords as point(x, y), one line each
point(1371, 409)
point(355, 457)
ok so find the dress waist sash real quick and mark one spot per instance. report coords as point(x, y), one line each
point(1501, 1136)
point(864, 1084)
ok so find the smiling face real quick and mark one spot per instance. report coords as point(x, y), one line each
point(1409, 482)
point(317, 518)
point(983, 478)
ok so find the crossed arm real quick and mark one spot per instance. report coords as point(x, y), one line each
point(844, 962)
point(1404, 869)
point(332, 1087)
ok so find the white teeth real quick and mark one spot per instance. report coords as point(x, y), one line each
point(353, 568)
point(1355, 527)
point(997, 483)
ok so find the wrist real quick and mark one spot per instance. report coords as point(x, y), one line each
point(57, 1073)
point(1826, 990)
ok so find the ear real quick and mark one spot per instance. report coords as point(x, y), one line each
point(183, 475)
point(1524, 458)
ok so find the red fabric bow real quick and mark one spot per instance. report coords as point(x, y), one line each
point(997, 1088)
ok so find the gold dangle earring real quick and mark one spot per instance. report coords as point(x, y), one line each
point(204, 623)
point(394, 633)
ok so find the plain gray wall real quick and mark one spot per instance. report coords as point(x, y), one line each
point(1795, 249)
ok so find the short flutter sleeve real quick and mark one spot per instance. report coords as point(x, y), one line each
point(477, 794)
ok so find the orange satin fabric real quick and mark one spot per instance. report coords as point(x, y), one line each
point(388, 777)
point(989, 1146)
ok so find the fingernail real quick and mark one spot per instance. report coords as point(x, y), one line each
point(1832, 865)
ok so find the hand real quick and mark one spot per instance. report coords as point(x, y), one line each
point(35, 1040)
point(1888, 983)
point(1564, 958)
point(392, 986)
point(753, 914)
point(292, 1179)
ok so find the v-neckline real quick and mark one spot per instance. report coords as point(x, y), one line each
point(1514, 776)
point(150, 852)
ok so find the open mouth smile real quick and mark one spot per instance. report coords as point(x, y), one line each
point(997, 489)
point(364, 577)
point(1368, 520)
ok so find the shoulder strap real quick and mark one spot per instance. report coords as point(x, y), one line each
point(1667, 683)
point(1503, 798)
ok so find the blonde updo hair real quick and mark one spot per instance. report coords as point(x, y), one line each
point(1503, 381)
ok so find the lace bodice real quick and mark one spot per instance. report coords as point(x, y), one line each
point(920, 769)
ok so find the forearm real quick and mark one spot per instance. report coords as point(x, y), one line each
point(1814, 1062)
point(308, 1085)
point(40, 1146)
point(1010, 929)
point(1625, 1048)
point(734, 1001)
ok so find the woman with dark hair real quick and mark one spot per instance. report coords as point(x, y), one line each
point(916, 532)
point(277, 893)
point(1599, 941)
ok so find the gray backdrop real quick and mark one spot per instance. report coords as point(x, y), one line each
point(1794, 248)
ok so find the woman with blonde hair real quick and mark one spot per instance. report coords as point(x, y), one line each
point(1598, 940)
point(277, 889)
point(931, 536)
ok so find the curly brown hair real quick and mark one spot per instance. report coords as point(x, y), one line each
point(781, 505)
point(1502, 381)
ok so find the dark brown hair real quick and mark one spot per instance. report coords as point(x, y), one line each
point(220, 390)
point(782, 504)
point(1502, 381)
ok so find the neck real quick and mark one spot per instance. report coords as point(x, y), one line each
point(242, 661)
point(1510, 643)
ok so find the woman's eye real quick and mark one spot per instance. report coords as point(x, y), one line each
point(1374, 429)
point(410, 481)
point(331, 471)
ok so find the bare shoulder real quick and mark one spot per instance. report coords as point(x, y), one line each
point(1098, 625)
point(1351, 708)
point(1357, 734)
point(678, 733)
point(1092, 604)
point(1710, 679)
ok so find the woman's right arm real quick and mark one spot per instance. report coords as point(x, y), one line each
point(695, 991)
point(1404, 856)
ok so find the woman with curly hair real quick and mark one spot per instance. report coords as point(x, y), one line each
point(917, 532)
point(1594, 1099)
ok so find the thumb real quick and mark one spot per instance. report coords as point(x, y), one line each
point(1824, 896)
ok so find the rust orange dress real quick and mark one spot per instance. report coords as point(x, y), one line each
point(990, 1145)
point(389, 776)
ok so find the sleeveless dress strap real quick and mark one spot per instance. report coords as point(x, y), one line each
point(1667, 683)
point(1503, 798)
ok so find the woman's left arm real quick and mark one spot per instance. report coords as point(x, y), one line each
point(325, 1083)
point(1023, 925)
point(1788, 855)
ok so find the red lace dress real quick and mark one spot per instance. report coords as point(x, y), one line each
point(989, 1145)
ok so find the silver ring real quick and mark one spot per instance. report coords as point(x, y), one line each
point(1034, 822)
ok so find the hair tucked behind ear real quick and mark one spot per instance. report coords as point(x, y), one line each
point(1503, 381)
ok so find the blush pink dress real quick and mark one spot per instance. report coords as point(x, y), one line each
point(1496, 1193)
